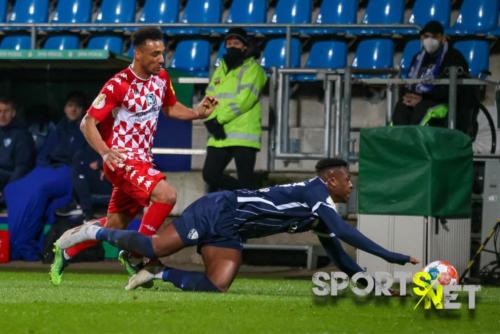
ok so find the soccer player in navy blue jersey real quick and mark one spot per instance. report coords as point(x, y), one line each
point(219, 223)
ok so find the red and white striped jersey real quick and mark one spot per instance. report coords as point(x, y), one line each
point(127, 109)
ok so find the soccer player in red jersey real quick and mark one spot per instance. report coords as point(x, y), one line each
point(120, 126)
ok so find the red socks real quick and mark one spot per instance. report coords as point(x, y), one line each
point(154, 217)
point(73, 251)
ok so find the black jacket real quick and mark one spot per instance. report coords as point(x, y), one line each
point(62, 144)
point(453, 57)
point(17, 152)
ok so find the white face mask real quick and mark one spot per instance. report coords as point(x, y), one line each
point(430, 44)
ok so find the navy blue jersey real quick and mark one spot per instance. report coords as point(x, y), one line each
point(294, 208)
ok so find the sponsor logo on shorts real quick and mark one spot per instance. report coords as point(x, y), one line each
point(193, 234)
point(153, 172)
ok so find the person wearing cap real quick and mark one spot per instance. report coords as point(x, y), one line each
point(235, 125)
point(425, 103)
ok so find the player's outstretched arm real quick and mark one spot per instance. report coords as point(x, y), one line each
point(200, 111)
point(337, 254)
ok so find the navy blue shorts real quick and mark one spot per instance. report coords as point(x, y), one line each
point(210, 221)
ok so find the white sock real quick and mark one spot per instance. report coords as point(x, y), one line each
point(92, 231)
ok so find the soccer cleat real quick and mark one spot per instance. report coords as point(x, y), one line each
point(78, 234)
point(57, 267)
point(69, 210)
point(142, 278)
point(125, 260)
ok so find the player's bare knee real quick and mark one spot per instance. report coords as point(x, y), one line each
point(165, 194)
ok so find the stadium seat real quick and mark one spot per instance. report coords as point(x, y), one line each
point(275, 53)
point(411, 49)
point(130, 52)
point(160, 11)
point(334, 12)
point(3, 10)
point(382, 12)
point(325, 55)
point(62, 42)
point(113, 44)
point(16, 42)
point(289, 11)
point(199, 11)
point(220, 53)
point(477, 54)
point(424, 11)
point(72, 11)
point(375, 53)
point(116, 11)
point(247, 11)
point(192, 56)
point(29, 11)
point(476, 17)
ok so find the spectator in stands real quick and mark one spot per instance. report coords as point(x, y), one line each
point(425, 103)
point(235, 124)
point(17, 150)
point(33, 199)
point(89, 185)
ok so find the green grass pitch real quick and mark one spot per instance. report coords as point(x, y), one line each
point(97, 303)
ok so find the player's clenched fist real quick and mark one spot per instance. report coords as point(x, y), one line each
point(206, 106)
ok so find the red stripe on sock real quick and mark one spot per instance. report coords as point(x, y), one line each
point(73, 251)
point(154, 217)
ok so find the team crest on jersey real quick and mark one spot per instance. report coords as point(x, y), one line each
point(193, 234)
point(7, 142)
point(153, 172)
point(150, 99)
point(99, 101)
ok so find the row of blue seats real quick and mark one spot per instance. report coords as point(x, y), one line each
point(475, 16)
point(194, 55)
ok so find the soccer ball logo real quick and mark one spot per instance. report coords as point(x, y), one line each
point(445, 273)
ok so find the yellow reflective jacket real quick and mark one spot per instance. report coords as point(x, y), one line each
point(239, 109)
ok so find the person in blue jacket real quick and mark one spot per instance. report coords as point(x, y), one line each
point(220, 222)
point(33, 199)
point(17, 150)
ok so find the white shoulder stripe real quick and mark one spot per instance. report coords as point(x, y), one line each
point(316, 206)
point(279, 207)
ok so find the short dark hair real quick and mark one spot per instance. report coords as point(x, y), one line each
point(328, 163)
point(8, 101)
point(143, 34)
point(77, 98)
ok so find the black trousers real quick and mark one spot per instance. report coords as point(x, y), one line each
point(404, 115)
point(87, 182)
point(217, 160)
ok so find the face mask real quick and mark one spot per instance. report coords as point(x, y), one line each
point(234, 57)
point(430, 44)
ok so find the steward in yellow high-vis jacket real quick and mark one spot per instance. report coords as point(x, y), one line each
point(235, 125)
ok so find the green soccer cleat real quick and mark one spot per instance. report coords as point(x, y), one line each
point(57, 267)
point(125, 258)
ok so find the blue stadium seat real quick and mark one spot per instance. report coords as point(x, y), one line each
point(3, 10)
point(375, 53)
point(62, 42)
point(16, 42)
point(411, 49)
point(220, 53)
point(111, 43)
point(116, 11)
point(192, 56)
point(476, 17)
point(275, 53)
point(247, 11)
point(382, 12)
point(30, 11)
point(199, 11)
point(130, 52)
point(289, 11)
point(334, 12)
point(160, 11)
point(430, 10)
point(325, 55)
point(73, 11)
point(477, 54)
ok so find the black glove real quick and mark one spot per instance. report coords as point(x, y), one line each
point(215, 129)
